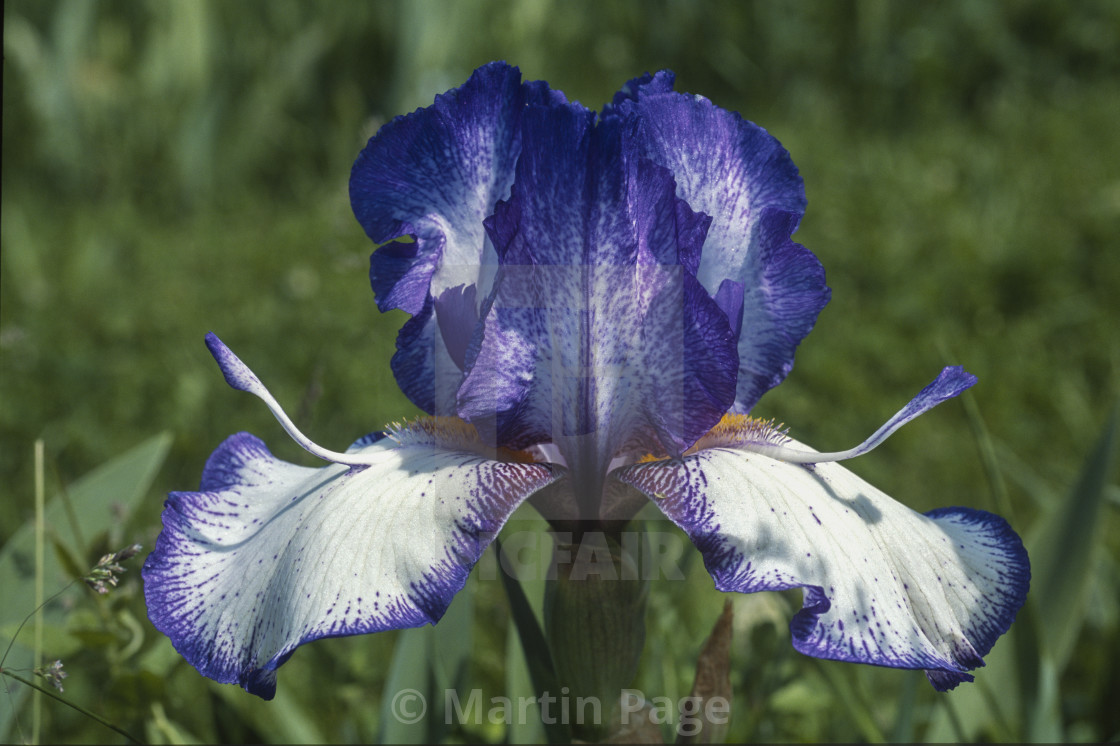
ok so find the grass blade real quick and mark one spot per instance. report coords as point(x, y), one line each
point(1061, 560)
point(407, 698)
point(533, 643)
point(40, 559)
point(1061, 563)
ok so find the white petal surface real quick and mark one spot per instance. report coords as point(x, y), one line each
point(883, 584)
point(270, 555)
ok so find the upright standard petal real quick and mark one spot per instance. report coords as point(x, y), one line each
point(597, 337)
point(736, 172)
point(883, 584)
point(432, 177)
point(270, 555)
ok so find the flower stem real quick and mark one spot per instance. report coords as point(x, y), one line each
point(40, 561)
point(595, 602)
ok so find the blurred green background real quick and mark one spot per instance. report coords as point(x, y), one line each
point(174, 167)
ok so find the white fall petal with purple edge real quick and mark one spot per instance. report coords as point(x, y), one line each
point(270, 555)
point(883, 584)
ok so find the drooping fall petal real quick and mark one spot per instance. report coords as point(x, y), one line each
point(883, 584)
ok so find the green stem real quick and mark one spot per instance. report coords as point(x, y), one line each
point(594, 610)
point(40, 561)
point(70, 704)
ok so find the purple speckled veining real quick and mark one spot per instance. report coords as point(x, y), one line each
point(883, 584)
point(598, 336)
point(557, 186)
point(270, 555)
point(737, 173)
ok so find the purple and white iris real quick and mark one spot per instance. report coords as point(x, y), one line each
point(597, 300)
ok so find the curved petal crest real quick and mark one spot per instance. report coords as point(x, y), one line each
point(740, 175)
point(271, 555)
point(883, 584)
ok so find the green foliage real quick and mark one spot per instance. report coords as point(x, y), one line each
point(176, 167)
point(83, 522)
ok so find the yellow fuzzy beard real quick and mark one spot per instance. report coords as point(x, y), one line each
point(450, 433)
point(737, 429)
point(732, 430)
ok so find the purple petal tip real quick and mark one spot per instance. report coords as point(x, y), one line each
point(236, 373)
point(949, 383)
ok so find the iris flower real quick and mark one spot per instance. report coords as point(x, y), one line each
point(598, 301)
